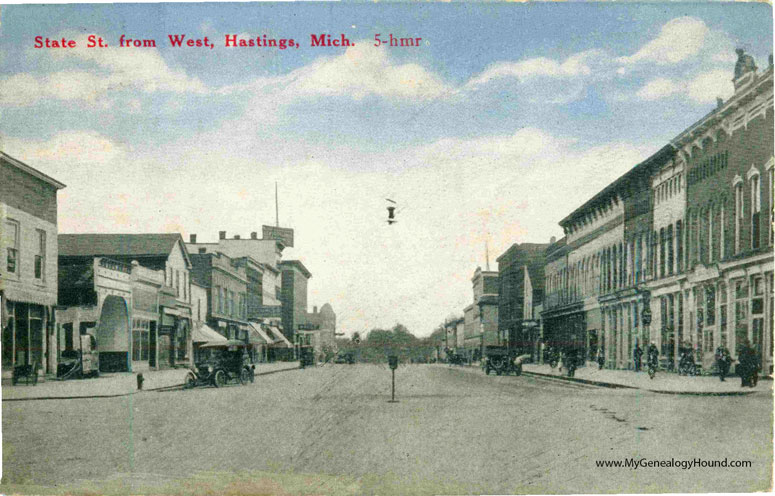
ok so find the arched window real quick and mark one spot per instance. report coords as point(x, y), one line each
point(756, 207)
point(739, 212)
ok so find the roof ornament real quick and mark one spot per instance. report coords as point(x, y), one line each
point(745, 63)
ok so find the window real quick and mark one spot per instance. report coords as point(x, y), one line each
point(662, 252)
point(738, 214)
point(12, 250)
point(741, 311)
point(670, 253)
point(756, 207)
point(140, 339)
point(679, 252)
point(722, 297)
point(40, 258)
point(771, 176)
point(177, 283)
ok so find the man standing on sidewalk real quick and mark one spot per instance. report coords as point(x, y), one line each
point(723, 360)
point(637, 356)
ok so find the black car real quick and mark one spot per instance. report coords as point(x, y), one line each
point(221, 362)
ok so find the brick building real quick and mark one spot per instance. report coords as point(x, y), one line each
point(226, 282)
point(520, 288)
point(481, 316)
point(28, 272)
point(715, 285)
point(678, 251)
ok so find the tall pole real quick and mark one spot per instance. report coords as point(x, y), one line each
point(393, 388)
point(276, 207)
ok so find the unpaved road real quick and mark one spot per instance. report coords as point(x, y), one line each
point(330, 430)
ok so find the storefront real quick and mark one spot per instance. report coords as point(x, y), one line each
point(25, 325)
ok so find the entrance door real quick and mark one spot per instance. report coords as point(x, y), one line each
point(152, 345)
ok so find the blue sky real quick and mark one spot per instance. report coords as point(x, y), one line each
point(502, 121)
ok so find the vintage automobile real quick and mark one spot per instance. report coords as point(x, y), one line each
point(345, 357)
point(306, 356)
point(221, 362)
point(503, 360)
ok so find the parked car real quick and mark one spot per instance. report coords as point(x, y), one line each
point(344, 357)
point(221, 362)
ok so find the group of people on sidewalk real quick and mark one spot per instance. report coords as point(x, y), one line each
point(747, 368)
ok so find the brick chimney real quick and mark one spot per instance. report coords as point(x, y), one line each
point(254, 235)
point(192, 238)
point(221, 234)
point(236, 236)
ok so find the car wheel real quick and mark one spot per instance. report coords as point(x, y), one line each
point(190, 381)
point(244, 377)
point(220, 378)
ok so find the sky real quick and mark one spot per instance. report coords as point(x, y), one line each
point(503, 120)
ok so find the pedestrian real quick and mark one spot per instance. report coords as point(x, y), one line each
point(600, 358)
point(637, 356)
point(653, 359)
point(723, 360)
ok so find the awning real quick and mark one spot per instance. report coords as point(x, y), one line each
point(258, 335)
point(202, 333)
point(36, 297)
point(283, 341)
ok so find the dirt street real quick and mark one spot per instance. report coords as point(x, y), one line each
point(330, 430)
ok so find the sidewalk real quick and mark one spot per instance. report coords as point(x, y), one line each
point(118, 384)
point(663, 382)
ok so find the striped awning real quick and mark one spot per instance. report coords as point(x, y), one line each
point(258, 335)
point(281, 339)
point(202, 333)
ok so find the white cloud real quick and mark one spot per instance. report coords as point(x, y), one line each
point(136, 69)
point(700, 89)
point(678, 40)
point(657, 89)
point(362, 70)
point(573, 66)
point(455, 194)
point(707, 86)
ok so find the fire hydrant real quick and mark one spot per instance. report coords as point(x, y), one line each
point(140, 380)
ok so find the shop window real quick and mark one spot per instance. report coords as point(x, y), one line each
point(741, 312)
point(12, 246)
point(710, 305)
point(722, 297)
point(140, 339)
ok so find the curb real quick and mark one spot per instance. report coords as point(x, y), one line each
point(160, 389)
point(611, 385)
point(614, 385)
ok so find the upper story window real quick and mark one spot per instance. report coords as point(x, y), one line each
point(756, 207)
point(12, 250)
point(40, 257)
point(738, 214)
point(771, 177)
